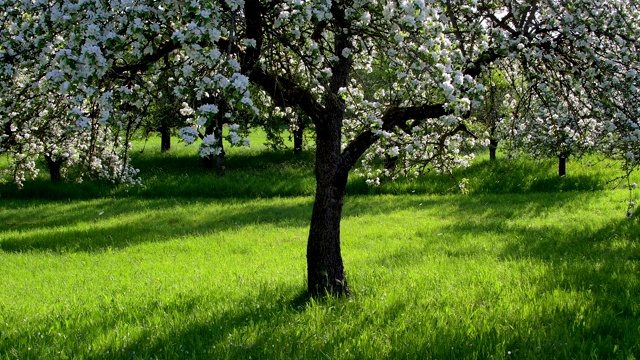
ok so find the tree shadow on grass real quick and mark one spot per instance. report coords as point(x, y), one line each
point(613, 243)
point(282, 174)
point(181, 327)
point(254, 329)
point(602, 262)
point(257, 161)
point(20, 215)
point(505, 176)
point(598, 263)
point(116, 223)
point(476, 214)
point(277, 322)
point(286, 324)
point(529, 176)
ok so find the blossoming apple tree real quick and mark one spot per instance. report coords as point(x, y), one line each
point(87, 69)
point(544, 124)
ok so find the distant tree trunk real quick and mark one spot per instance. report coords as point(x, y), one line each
point(165, 138)
point(562, 165)
point(215, 160)
point(390, 163)
point(298, 137)
point(217, 132)
point(54, 168)
point(493, 146)
point(208, 161)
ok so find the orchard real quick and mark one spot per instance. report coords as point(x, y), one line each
point(401, 81)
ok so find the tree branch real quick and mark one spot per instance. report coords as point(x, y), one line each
point(285, 92)
point(145, 62)
point(394, 116)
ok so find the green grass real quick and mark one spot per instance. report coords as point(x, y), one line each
point(534, 268)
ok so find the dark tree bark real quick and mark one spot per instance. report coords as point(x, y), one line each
point(208, 161)
point(217, 132)
point(562, 165)
point(325, 269)
point(298, 137)
point(54, 168)
point(215, 128)
point(215, 161)
point(165, 138)
point(390, 163)
point(493, 146)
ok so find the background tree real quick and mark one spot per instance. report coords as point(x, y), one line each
point(494, 108)
point(281, 124)
point(560, 134)
point(164, 115)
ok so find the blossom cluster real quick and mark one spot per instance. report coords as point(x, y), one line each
point(76, 78)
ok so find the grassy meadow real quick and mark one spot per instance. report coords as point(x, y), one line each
point(525, 266)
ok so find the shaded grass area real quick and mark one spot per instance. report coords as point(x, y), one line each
point(254, 172)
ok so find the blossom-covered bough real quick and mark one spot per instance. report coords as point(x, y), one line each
point(391, 79)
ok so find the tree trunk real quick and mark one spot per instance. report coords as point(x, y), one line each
point(54, 168)
point(325, 269)
point(562, 165)
point(217, 132)
point(298, 137)
point(390, 163)
point(207, 162)
point(493, 146)
point(165, 138)
point(215, 161)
